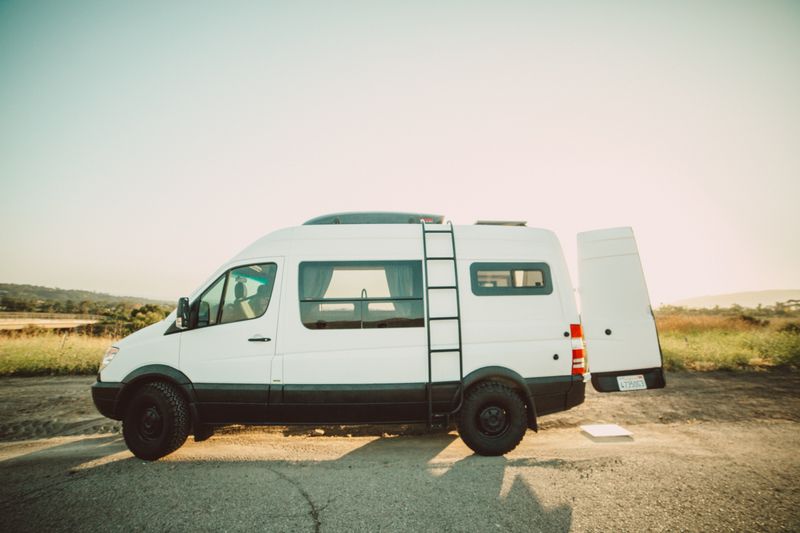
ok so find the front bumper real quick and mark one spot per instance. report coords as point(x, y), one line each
point(105, 396)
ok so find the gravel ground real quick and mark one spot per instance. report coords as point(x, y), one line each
point(712, 452)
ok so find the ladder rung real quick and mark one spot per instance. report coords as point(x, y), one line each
point(439, 419)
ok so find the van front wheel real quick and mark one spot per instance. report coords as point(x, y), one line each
point(492, 420)
point(156, 422)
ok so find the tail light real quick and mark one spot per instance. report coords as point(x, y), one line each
point(578, 350)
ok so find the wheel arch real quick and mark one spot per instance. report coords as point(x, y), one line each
point(510, 378)
point(148, 374)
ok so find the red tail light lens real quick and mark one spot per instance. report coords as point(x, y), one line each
point(578, 350)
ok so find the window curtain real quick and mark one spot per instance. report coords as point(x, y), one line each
point(401, 280)
point(315, 280)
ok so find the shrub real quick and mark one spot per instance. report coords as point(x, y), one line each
point(782, 347)
point(790, 327)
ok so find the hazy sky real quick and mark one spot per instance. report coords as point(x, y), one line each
point(144, 143)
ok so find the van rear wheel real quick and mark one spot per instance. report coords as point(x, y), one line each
point(492, 420)
point(156, 422)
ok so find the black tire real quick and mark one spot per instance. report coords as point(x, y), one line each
point(156, 422)
point(493, 419)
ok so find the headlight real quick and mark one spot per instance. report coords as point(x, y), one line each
point(110, 353)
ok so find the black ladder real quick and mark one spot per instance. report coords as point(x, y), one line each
point(442, 419)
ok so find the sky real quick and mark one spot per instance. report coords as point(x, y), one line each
point(142, 144)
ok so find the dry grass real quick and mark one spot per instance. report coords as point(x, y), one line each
point(718, 342)
point(694, 324)
point(37, 354)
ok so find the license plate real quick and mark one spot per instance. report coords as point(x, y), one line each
point(627, 383)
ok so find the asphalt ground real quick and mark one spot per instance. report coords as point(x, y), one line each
point(712, 452)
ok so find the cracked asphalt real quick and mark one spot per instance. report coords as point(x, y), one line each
point(714, 452)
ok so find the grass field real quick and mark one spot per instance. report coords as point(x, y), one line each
point(693, 342)
point(717, 342)
point(46, 353)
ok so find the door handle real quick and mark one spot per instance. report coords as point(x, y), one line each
point(259, 338)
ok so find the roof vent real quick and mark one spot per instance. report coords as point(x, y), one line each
point(501, 222)
point(375, 217)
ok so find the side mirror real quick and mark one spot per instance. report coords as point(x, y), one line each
point(182, 314)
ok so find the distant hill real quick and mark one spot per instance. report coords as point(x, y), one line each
point(745, 299)
point(50, 294)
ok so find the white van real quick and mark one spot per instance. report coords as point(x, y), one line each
point(369, 318)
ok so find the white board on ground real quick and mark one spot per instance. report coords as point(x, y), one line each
point(606, 430)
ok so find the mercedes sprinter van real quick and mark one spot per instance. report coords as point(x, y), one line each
point(368, 318)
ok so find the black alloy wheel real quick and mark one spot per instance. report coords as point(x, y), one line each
point(151, 424)
point(156, 422)
point(493, 419)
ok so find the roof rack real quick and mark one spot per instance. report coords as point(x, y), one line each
point(501, 222)
point(375, 217)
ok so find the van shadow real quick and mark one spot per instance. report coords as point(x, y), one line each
point(37, 475)
point(388, 484)
point(69, 454)
point(474, 493)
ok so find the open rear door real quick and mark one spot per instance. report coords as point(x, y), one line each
point(622, 346)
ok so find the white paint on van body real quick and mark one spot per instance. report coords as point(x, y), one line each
point(224, 353)
point(618, 323)
point(523, 333)
point(148, 346)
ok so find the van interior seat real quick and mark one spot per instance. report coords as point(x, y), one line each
point(240, 290)
point(240, 308)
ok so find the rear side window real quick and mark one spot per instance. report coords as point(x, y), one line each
point(361, 294)
point(507, 279)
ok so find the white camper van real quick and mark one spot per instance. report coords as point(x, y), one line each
point(368, 318)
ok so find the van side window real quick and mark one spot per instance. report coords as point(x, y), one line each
point(505, 279)
point(361, 294)
point(241, 293)
point(248, 292)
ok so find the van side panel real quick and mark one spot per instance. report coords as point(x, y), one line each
point(381, 374)
point(349, 375)
point(526, 333)
point(357, 403)
point(374, 375)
